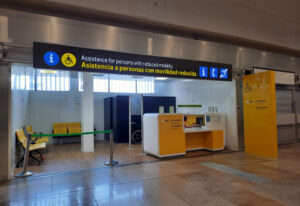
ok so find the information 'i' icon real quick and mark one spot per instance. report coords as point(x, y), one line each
point(51, 58)
point(203, 71)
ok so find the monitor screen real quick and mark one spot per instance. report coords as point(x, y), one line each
point(194, 120)
point(199, 121)
point(207, 118)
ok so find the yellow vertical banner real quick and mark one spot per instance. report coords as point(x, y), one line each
point(260, 125)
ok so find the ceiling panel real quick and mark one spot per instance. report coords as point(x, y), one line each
point(284, 9)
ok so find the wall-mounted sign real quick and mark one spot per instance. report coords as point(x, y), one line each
point(52, 56)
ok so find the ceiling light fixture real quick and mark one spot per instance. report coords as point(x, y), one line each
point(161, 78)
point(48, 71)
point(137, 77)
point(188, 80)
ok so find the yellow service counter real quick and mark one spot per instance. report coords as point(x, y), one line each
point(164, 136)
point(209, 139)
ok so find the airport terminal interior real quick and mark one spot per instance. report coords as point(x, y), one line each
point(151, 102)
point(43, 100)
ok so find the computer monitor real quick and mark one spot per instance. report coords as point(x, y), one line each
point(200, 121)
point(194, 120)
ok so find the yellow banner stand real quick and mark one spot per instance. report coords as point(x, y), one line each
point(260, 125)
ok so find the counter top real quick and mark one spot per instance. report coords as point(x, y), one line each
point(192, 130)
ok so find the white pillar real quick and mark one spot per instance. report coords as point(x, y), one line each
point(87, 113)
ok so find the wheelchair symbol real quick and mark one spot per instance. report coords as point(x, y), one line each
point(68, 59)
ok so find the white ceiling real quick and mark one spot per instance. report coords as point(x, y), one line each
point(288, 10)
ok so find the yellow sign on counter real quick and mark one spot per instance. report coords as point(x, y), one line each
point(260, 125)
point(172, 138)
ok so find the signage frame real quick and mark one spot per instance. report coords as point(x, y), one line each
point(94, 60)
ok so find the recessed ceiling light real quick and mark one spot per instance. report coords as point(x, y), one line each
point(188, 80)
point(48, 71)
point(161, 78)
point(137, 77)
point(98, 75)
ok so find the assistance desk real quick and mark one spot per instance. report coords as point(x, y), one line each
point(165, 136)
point(201, 138)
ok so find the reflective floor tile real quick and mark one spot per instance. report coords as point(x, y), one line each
point(40, 201)
point(79, 197)
point(30, 188)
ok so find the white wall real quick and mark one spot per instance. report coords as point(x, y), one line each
point(209, 93)
point(48, 107)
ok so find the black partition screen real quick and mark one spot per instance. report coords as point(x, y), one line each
point(116, 111)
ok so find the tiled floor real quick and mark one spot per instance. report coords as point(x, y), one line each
point(68, 157)
point(173, 182)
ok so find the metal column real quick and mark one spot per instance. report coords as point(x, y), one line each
point(26, 173)
point(142, 125)
point(294, 110)
point(111, 161)
point(5, 133)
point(129, 123)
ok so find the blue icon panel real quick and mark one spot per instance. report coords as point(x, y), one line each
point(214, 72)
point(223, 73)
point(51, 58)
point(203, 71)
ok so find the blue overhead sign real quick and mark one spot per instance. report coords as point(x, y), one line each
point(223, 73)
point(203, 71)
point(53, 56)
point(213, 73)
